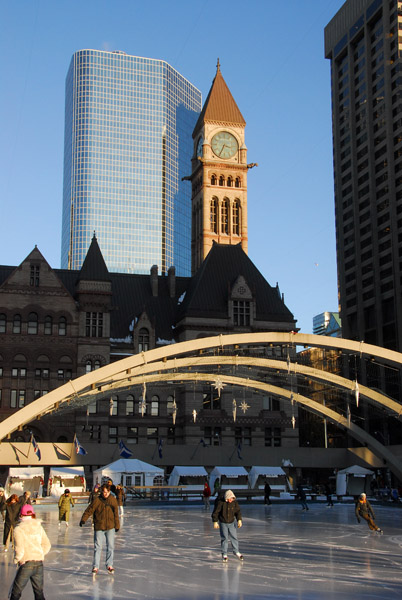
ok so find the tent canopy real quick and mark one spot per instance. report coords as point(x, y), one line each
point(26, 472)
point(67, 472)
point(231, 472)
point(186, 472)
point(129, 465)
point(255, 472)
point(355, 470)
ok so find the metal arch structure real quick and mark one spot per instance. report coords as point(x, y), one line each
point(179, 362)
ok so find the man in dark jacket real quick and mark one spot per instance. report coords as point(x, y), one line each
point(105, 516)
point(223, 517)
point(363, 509)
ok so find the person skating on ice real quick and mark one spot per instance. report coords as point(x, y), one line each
point(227, 518)
point(365, 511)
point(65, 503)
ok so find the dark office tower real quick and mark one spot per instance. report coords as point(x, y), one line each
point(128, 144)
point(364, 43)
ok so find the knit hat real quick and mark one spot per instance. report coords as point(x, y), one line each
point(362, 496)
point(229, 494)
point(1, 489)
point(27, 511)
point(67, 491)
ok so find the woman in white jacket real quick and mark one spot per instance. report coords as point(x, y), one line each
point(31, 545)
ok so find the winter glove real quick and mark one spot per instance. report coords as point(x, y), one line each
point(216, 525)
point(81, 523)
point(239, 523)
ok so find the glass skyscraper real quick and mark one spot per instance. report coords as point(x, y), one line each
point(128, 143)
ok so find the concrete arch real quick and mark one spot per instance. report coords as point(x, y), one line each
point(158, 364)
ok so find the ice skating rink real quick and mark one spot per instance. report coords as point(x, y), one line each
point(172, 552)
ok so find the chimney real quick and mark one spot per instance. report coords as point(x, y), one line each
point(154, 280)
point(172, 281)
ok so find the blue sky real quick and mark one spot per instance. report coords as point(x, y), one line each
point(272, 58)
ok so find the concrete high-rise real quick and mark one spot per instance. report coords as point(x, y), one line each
point(364, 44)
point(128, 126)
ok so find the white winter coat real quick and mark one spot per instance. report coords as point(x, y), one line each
point(30, 541)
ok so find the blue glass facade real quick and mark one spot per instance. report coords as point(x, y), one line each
point(128, 143)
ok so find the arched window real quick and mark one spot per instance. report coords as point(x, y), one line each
point(48, 325)
point(143, 340)
point(237, 182)
point(17, 324)
point(225, 216)
point(3, 323)
point(97, 365)
point(230, 181)
point(213, 215)
point(236, 217)
point(221, 181)
point(88, 366)
point(32, 323)
point(155, 406)
point(213, 180)
point(62, 326)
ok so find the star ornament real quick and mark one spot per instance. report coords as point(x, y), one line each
point(244, 406)
point(219, 385)
point(194, 415)
point(234, 410)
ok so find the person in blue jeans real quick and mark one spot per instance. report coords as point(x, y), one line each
point(105, 516)
point(30, 546)
point(227, 518)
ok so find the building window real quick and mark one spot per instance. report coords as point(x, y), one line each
point(95, 433)
point(273, 436)
point(221, 181)
point(42, 373)
point(155, 406)
point(62, 326)
point(88, 366)
point(213, 215)
point(92, 408)
point(270, 403)
point(169, 405)
point(3, 323)
point(64, 374)
point(33, 323)
point(212, 436)
point(152, 435)
point(113, 406)
point(132, 435)
point(143, 340)
point(230, 181)
point(243, 436)
point(15, 372)
point(237, 182)
point(129, 406)
point(97, 365)
point(213, 180)
point(17, 398)
point(171, 436)
point(17, 324)
point(112, 435)
point(94, 324)
point(34, 278)
point(225, 216)
point(211, 400)
point(236, 217)
point(48, 325)
point(241, 313)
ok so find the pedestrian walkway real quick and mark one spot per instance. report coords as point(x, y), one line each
point(173, 553)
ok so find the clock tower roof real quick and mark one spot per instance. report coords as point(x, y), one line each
point(220, 106)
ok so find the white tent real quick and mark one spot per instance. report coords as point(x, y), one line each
point(23, 479)
point(61, 478)
point(352, 481)
point(129, 472)
point(275, 473)
point(236, 477)
point(193, 477)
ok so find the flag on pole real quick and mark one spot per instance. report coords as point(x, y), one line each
point(202, 442)
point(35, 446)
point(124, 451)
point(239, 451)
point(160, 447)
point(78, 448)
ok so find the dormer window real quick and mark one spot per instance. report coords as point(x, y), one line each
point(241, 313)
point(143, 340)
point(34, 277)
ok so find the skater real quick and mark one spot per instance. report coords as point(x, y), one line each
point(206, 494)
point(31, 545)
point(363, 509)
point(65, 503)
point(223, 517)
point(267, 493)
point(301, 495)
point(13, 507)
point(328, 493)
point(25, 498)
point(121, 499)
point(105, 515)
point(2, 503)
point(217, 486)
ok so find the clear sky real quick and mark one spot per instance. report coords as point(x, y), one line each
point(272, 58)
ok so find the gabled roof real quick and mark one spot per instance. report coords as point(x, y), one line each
point(208, 291)
point(220, 107)
point(94, 267)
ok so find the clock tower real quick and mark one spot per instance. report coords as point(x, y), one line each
point(219, 174)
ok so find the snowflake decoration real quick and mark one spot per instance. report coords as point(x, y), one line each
point(219, 385)
point(244, 406)
point(234, 410)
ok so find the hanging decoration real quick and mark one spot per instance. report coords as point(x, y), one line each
point(219, 385)
point(357, 393)
point(143, 404)
point(174, 413)
point(348, 414)
point(293, 421)
point(234, 409)
point(244, 406)
point(194, 415)
point(111, 404)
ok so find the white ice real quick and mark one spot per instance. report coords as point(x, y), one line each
point(168, 552)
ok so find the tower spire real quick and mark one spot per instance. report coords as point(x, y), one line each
point(218, 66)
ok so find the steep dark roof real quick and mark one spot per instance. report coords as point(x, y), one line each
point(220, 106)
point(94, 267)
point(209, 289)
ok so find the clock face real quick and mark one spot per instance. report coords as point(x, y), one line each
point(224, 144)
point(199, 147)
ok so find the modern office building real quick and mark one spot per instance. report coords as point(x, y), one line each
point(128, 126)
point(327, 323)
point(363, 42)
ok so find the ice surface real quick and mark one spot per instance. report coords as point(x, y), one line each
point(172, 552)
